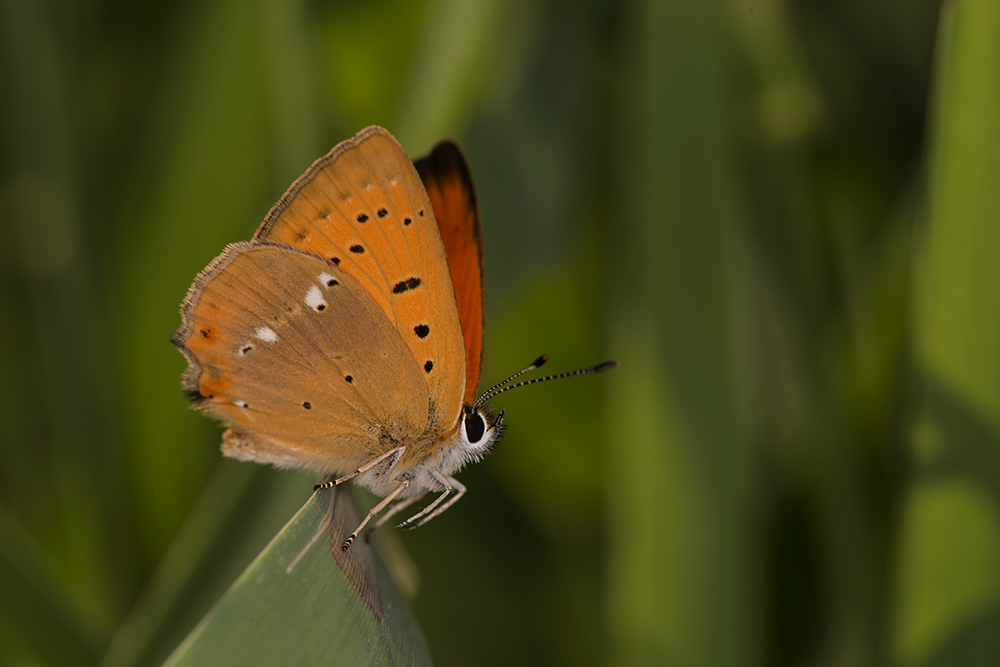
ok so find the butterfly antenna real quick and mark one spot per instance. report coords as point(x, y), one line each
point(537, 363)
point(499, 389)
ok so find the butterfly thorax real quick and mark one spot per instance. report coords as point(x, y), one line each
point(433, 455)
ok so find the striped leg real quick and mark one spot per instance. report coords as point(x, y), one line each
point(375, 510)
point(394, 453)
point(423, 516)
point(460, 491)
point(393, 511)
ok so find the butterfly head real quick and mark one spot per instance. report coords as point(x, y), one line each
point(478, 436)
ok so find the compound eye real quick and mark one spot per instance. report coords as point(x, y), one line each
point(475, 427)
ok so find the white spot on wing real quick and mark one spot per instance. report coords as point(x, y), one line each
point(240, 404)
point(325, 278)
point(267, 334)
point(314, 299)
point(392, 181)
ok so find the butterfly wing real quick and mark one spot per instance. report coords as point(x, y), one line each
point(287, 349)
point(363, 208)
point(452, 192)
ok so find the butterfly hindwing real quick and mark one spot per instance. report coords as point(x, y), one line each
point(287, 349)
point(363, 208)
point(448, 180)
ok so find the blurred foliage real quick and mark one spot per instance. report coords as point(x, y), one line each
point(780, 216)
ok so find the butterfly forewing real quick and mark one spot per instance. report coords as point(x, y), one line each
point(363, 208)
point(290, 351)
point(452, 192)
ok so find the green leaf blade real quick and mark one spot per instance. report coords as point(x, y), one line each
point(295, 605)
point(948, 583)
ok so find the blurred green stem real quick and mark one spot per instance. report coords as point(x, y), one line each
point(681, 557)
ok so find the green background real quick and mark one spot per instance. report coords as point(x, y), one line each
point(782, 217)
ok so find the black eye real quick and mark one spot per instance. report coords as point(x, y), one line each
point(474, 427)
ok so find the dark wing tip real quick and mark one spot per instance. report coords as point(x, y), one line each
point(177, 339)
point(194, 396)
point(445, 161)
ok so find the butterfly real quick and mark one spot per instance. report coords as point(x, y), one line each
point(347, 336)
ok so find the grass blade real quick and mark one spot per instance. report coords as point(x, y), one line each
point(294, 604)
point(948, 604)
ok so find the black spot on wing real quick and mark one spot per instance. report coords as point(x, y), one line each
point(428, 366)
point(422, 330)
point(362, 217)
point(403, 285)
point(357, 249)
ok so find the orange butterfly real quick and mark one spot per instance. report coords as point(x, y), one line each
point(347, 336)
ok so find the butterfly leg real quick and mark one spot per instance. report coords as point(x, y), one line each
point(423, 516)
point(375, 510)
point(392, 453)
point(440, 479)
point(393, 511)
point(460, 491)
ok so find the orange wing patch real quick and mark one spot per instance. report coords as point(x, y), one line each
point(448, 181)
point(363, 208)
